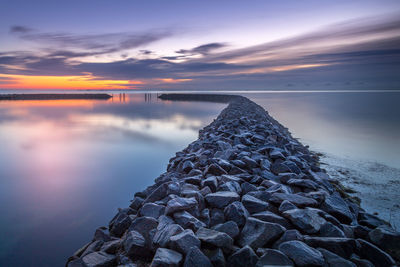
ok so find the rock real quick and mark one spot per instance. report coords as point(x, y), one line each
point(297, 200)
point(196, 258)
point(288, 235)
point(99, 259)
point(335, 205)
point(301, 254)
point(144, 225)
point(361, 262)
point(386, 238)
point(370, 220)
point(102, 234)
point(152, 210)
point(248, 187)
point(250, 163)
point(306, 220)
point(286, 205)
point(343, 247)
point(120, 224)
point(162, 236)
point(180, 204)
point(135, 244)
point(211, 182)
point(257, 233)
point(159, 193)
point(221, 199)
point(303, 183)
point(268, 216)
point(136, 203)
point(214, 238)
point(166, 258)
point(184, 241)
point(236, 212)
point(377, 256)
point(277, 168)
point(187, 166)
point(229, 227)
point(92, 247)
point(231, 186)
point(330, 230)
point(111, 247)
point(215, 169)
point(253, 204)
point(187, 220)
point(244, 257)
point(273, 257)
point(216, 217)
point(275, 154)
point(334, 260)
point(216, 257)
point(195, 180)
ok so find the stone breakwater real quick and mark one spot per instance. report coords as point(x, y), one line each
point(246, 193)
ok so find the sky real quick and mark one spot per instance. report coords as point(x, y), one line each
point(200, 45)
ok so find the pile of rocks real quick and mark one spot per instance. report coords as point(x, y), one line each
point(246, 193)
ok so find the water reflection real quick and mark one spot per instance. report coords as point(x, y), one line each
point(66, 165)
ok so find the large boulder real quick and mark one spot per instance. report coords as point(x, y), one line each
point(166, 258)
point(135, 245)
point(187, 220)
point(257, 233)
point(180, 204)
point(99, 259)
point(184, 241)
point(229, 227)
point(214, 238)
point(299, 201)
point(253, 204)
point(306, 220)
point(152, 210)
point(221, 199)
point(302, 254)
point(335, 205)
point(334, 260)
point(374, 254)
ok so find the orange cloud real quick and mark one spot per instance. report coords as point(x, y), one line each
point(171, 80)
point(64, 82)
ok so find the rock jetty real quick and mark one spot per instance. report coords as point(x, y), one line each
point(246, 193)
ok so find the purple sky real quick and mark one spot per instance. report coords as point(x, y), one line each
point(209, 45)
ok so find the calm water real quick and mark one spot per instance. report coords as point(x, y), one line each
point(66, 166)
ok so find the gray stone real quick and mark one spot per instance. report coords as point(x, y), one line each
point(144, 225)
point(136, 203)
point(303, 183)
point(195, 180)
point(344, 247)
point(335, 260)
point(278, 167)
point(306, 220)
point(92, 247)
point(184, 241)
point(286, 205)
point(257, 233)
point(166, 258)
point(370, 220)
point(111, 247)
point(211, 182)
point(386, 238)
point(273, 257)
point(120, 224)
point(229, 227)
point(253, 204)
point(268, 216)
point(297, 200)
point(330, 230)
point(187, 166)
point(215, 169)
point(236, 212)
point(180, 204)
point(216, 217)
point(196, 258)
point(216, 257)
point(187, 220)
point(221, 199)
point(231, 186)
point(244, 257)
point(301, 254)
point(248, 187)
point(99, 259)
point(335, 205)
point(288, 235)
point(135, 244)
point(374, 254)
point(250, 163)
point(214, 238)
point(102, 234)
point(152, 210)
point(163, 234)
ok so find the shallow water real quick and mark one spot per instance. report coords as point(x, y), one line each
point(67, 165)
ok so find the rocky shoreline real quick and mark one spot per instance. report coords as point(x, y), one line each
point(246, 193)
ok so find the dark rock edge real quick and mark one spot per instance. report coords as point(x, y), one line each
point(246, 193)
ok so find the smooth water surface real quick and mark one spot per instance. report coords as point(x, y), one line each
point(67, 165)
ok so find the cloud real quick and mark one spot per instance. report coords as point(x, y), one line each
point(20, 29)
point(202, 49)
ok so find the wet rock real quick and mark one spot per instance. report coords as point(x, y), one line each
point(253, 204)
point(257, 233)
point(196, 258)
point(301, 254)
point(152, 210)
point(215, 169)
point(244, 257)
point(334, 260)
point(372, 253)
point(180, 204)
point(229, 227)
point(135, 245)
point(98, 259)
point(236, 212)
point(211, 182)
point(221, 199)
point(214, 238)
point(166, 258)
point(335, 205)
point(344, 247)
point(306, 220)
point(187, 220)
point(297, 200)
point(386, 238)
point(184, 241)
point(273, 257)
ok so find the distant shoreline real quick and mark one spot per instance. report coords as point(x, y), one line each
point(52, 96)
